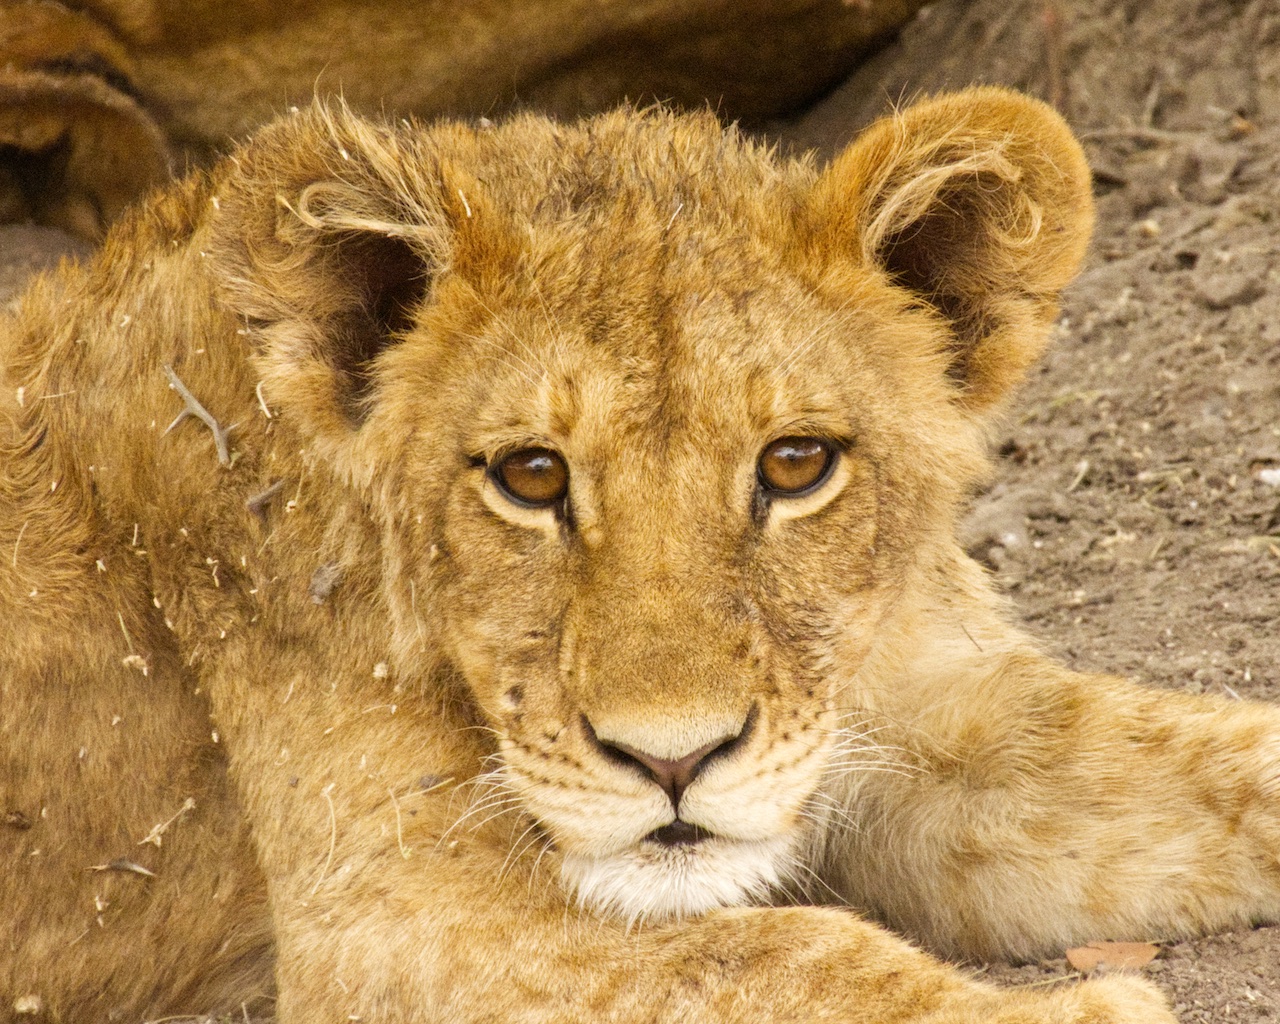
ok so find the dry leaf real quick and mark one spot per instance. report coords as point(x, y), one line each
point(1132, 955)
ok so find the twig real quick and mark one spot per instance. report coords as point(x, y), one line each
point(154, 837)
point(971, 639)
point(123, 864)
point(262, 402)
point(1082, 470)
point(258, 503)
point(1152, 102)
point(194, 408)
point(25, 524)
point(128, 640)
point(404, 850)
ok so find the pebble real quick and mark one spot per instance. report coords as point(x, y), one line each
point(1233, 284)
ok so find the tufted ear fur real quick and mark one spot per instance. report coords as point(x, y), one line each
point(330, 232)
point(978, 203)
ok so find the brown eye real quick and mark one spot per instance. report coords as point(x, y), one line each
point(792, 465)
point(537, 477)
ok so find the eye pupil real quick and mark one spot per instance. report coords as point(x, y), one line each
point(533, 476)
point(791, 465)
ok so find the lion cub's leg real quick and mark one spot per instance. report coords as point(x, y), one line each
point(395, 899)
point(128, 885)
point(1040, 808)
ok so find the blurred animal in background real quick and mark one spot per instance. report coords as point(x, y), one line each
point(99, 99)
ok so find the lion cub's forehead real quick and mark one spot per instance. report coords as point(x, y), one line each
point(652, 292)
point(691, 349)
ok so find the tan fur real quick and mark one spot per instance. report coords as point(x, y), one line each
point(95, 93)
point(334, 697)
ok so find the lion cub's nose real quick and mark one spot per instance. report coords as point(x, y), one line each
point(673, 775)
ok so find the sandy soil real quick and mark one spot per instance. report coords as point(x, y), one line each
point(1134, 518)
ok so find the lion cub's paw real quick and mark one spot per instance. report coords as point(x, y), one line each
point(1117, 999)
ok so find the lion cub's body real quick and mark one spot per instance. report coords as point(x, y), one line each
point(344, 705)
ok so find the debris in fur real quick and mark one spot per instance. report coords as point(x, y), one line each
point(262, 402)
point(125, 865)
point(156, 835)
point(323, 581)
point(194, 408)
point(258, 503)
point(18, 820)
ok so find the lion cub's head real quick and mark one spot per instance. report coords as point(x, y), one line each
point(659, 426)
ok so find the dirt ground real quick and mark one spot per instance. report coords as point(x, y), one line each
point(1135, 515)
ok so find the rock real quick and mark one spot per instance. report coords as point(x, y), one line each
point(1232, 283)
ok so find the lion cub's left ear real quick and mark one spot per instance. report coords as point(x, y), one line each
point(979, 204)
point(330, 234)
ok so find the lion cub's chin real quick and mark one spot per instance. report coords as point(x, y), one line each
point(654, 882)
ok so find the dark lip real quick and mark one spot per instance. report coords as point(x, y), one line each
point(679, 833)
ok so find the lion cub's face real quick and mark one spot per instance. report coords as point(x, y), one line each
point(662, 554)
point(666, 425)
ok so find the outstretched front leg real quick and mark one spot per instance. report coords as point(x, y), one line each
point(1036, 808)
point(399, 894)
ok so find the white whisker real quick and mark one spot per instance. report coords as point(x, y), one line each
point(518, 848)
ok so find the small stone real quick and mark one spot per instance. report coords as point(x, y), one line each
point(1233, 284)
point(1208, 171)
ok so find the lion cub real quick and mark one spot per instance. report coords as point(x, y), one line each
point(470, 573)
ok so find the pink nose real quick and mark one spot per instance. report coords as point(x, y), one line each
point(672, 776)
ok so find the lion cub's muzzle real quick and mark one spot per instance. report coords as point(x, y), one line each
point(658, 816)
point(674, 775)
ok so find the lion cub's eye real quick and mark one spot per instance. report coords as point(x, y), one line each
point(536, 477)
point(792, 465)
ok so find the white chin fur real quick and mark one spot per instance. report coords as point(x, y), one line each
point(652, 882)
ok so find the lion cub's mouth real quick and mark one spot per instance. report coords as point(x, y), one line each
point(679, 833)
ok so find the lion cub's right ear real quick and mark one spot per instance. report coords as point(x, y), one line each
point(330, 232)
point(978, 204)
